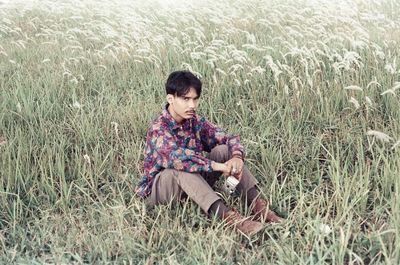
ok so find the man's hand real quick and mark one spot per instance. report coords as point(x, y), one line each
point(221, 167)
point(232, 167)
point(235, 167)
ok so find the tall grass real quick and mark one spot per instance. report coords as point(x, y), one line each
point(304, 84)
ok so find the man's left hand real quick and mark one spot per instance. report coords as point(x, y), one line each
point(236, 167)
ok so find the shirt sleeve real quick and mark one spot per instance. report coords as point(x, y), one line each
point(169, 155)
point(211, 136)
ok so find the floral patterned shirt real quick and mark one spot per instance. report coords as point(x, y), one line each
point(181, 147)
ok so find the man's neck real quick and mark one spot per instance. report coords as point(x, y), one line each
point(175, 116)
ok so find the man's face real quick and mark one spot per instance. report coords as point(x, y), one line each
point(183, 107)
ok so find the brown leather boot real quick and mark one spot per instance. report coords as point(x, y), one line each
point(261, 211)
point(242, 224)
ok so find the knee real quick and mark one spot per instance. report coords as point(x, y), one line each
point(175, 175)
point(220, 153)
point(169, 174)
point(181, 177)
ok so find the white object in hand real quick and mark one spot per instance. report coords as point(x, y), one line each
point(230, 184)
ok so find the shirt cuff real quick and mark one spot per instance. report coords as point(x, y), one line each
point(208, 167)
point(238, 151)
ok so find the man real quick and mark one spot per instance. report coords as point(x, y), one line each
point(175, 165)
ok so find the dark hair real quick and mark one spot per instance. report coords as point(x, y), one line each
point(180, 82)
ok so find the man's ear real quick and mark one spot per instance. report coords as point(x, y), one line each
point(170, 98)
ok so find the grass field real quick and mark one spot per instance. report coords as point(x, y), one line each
point(312, 87)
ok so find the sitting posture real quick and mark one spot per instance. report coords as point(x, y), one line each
point(175, 163)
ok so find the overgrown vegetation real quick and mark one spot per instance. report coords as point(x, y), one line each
point(312, 88)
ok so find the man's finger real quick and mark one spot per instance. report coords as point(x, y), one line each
point(228, 169)
point(237, 176)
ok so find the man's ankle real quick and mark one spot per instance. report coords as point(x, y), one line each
point(218, 208)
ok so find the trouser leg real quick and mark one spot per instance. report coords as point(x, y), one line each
point(221, 154)
point(247, 181)
point(170, 184)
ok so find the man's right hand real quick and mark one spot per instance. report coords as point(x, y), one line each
point(224, 168)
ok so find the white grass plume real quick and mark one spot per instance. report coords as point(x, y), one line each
point(357, 88)
point(395, 145)
point(87, 158)
point(373, 82)
point(354, 102)
point(392, 90)
point(368, 100)
point(380, 135)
